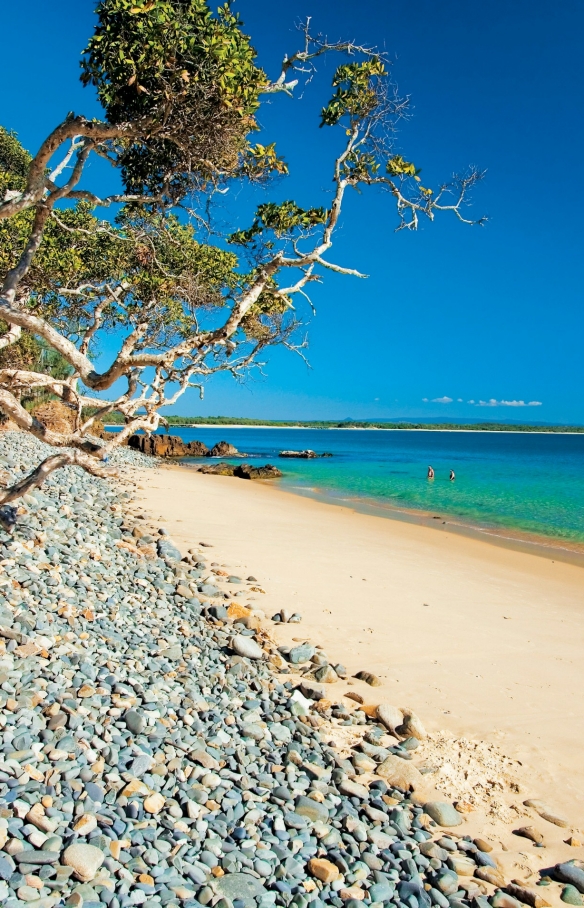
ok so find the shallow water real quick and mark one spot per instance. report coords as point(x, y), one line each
point(528, 483)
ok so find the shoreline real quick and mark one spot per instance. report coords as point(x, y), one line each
point(570, 552)
point(483, 641)
point(517, 540)
point(356, 429)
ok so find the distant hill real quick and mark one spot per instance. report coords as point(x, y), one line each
point(476, 425)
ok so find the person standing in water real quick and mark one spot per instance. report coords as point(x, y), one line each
point(430, 472)
point(452, 476)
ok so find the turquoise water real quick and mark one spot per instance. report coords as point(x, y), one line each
point(531, 483)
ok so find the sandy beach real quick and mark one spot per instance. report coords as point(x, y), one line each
point(484, 643)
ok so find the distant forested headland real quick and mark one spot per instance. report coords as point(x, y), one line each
point(117, 419)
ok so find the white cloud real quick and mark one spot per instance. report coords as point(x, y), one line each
point(459, 400)
point(506, 403)
point(424, 400)
point(442, 400)
point(470, 401)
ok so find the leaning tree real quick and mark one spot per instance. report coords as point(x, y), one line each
point(180, 89)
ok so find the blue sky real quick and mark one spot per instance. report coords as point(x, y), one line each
point(451, 312)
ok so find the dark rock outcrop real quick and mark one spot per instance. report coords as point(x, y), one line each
point(246, 471)
point(223, 449)
point(304, 455)
point(197, 449)
point(167, 446)
point(219, 469)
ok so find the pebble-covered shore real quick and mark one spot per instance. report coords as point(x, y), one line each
point(155, 752)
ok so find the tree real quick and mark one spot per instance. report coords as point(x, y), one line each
point(180, 89)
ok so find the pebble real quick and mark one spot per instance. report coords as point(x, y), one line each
point(570, 873)
point(84, 859)
point(571, 895)
point(246, 646)
point(390, 716)
point(443, 813)
point(400, 773)
point(546, 812)
point(152, 752)
point(323, 870)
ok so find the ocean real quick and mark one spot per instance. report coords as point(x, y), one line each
point(530, 485)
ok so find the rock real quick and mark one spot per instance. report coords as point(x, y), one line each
point(323, 870)
point(135, 721)
point(390, 716)
point(31, 856)
point(85, 861)
point(411, 726)
point(7, 866)
point(527, 896)
point(546, 813)
point(370, 679)
point(348, 893)
point(353, 789)
point(489, 875)
point(85, 824)
point(461, 864)
point(483, 845)
point(223, 449)
point(305, 455)
point(158, 445)
point(196, 449)
point(154, 803)
point(571, 896)
point(301, 653)
point(569, 873)
point(312, 810)
point(326, 674)
point(503, 900)
point(400, 773)
point(246, 471)
point(312, 690)
point(239, 886)
point(246, 646)
point(443, 813)
point(447, 882)
point(531, 833)
point(218, 469)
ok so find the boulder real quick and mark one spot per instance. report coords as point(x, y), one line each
point(443, 813)
point(196, 449)
point(159, 445)
point(390, 716)
point(305, 455)
point(223, 449)
point(570, 873)
point(218, 469)
point(400, 773)
point(411, 726)
point(246, 471)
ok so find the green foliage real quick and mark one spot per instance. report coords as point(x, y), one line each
point(187, 72)
point(281, 219)
point(34, 355)
point(355, 96)
point(14, 160)
point(159, 270)
point(115, 418)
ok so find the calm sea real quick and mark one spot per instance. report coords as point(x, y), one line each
point(526, 483)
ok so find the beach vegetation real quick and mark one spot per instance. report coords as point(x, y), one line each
point(141, 278)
